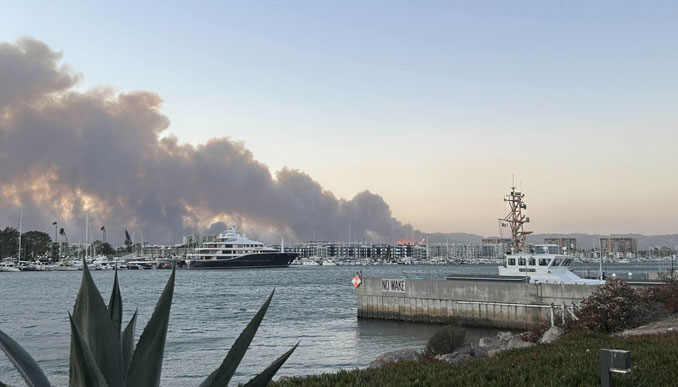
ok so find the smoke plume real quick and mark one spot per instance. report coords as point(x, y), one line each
point(66, 153)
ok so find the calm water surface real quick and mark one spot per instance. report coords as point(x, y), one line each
point(314, 305)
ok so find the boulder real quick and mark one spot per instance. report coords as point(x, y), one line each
point(505, 336)
point(459, 354)
point(454, 357)
point(515, 343)
point(551, 335)
point(489, 342)
point(493, 352)
point(481, 351)
point(396, 356)
point(518, 342)
point(666, 325)
point(463, 350)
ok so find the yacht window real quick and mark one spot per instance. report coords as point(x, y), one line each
point(512, 261)
point(557, 261)
point(521, 261)
point(543, 262)
point(532, 261)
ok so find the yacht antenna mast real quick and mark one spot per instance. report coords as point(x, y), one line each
point(515, 219)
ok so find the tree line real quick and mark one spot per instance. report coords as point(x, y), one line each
point(37, 244)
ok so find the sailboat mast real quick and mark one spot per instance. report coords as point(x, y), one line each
point(600, 242)
point(21, 216)
point(86, 234)
point(600, 263)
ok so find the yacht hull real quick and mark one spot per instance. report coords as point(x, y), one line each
point(248, 261)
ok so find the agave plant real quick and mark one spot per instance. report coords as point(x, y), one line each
point(103, 356)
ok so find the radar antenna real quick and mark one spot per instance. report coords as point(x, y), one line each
point(515, 219)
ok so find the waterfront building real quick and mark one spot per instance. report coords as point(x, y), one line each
point(162, 251)
point(570, 244)
point(619, 247)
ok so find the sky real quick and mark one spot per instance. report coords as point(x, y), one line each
point(433, 106)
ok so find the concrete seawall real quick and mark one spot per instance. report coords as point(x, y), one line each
point(473, 303)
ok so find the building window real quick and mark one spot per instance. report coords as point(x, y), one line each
point(512, 261)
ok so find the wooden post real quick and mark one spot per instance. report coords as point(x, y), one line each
point(553, 323)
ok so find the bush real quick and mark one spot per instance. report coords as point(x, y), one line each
point(446, 340)
point(667, 294)
point(616, 306)
point(610, 308)
point(652, 305)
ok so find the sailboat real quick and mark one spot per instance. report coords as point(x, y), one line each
point(23, 265)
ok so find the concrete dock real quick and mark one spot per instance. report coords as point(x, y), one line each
point(498, 304)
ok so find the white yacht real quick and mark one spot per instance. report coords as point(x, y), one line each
point(8, 265)
point(542, 263)
point(64, 266)
point(231, 250)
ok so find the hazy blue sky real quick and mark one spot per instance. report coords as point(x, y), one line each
point(432, 105)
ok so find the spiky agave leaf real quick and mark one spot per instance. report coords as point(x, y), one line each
point(266, 375)
point(84, 368)
point(98, 331)
point(128, 342)
point(115, 304)
point(146, 365)
point(222, 375)
point(23, 362)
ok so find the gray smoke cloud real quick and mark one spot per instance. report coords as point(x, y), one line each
point(66, 153)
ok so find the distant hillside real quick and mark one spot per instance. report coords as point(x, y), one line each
point(584, 241)
point(459, 237)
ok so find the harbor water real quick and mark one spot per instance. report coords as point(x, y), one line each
point(315, 305)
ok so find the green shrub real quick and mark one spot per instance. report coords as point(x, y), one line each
point(446, 340)
point(103, 356)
